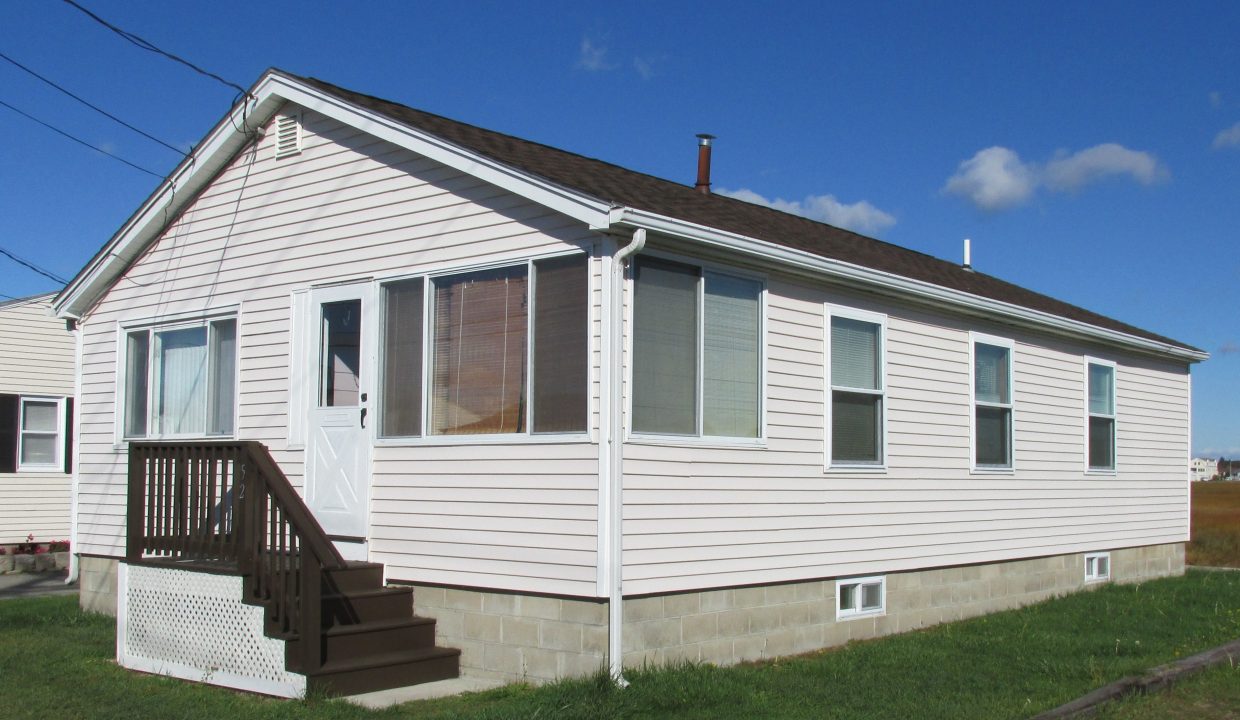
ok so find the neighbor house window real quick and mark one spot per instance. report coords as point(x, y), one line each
point(507, 351)
point(855, 368)
point(697, 351)
point(1097, 567)
point(40, 442)
point(992, 404)
point(180, 380)
point(860, 596)
point(1101, 421)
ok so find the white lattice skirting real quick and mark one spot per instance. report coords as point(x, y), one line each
point(193, 625)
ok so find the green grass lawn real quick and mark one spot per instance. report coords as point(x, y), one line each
point(56, 662)
point(1212, 695)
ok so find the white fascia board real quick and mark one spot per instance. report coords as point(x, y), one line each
point(224, 141)
point(898, 285)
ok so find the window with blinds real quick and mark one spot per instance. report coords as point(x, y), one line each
point(855, 371)
point(506, 351)
point(697, 346)
point(180, 381)
point(1101, 426)
point(992, 405)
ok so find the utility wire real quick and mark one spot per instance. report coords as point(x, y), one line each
point(96, 108)
point(80, 141)
point(32, 266)
point(151, 47)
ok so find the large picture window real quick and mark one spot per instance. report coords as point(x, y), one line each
point(1101, 423)
point(855, 371)
point(506, 350)
point(181, 380)
point(992, 404)
point(697, 344)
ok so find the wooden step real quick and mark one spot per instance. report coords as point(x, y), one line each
point(382, 672)
point(361, 606)
point(349, 642)
point(357, 576)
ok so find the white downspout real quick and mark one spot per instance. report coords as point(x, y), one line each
point(615, 449)
point(76, 455)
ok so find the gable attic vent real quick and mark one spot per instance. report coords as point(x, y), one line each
point(288, 135)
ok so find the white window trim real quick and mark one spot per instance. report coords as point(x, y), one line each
point(875, 318)
point(697, 439)
point(842, 614)
point(974, 339)
point(58, 464)
point(1114, 416)
point(1096, 576)
point(171, 321)
point(529, 437)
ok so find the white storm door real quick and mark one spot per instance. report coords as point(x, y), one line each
point(338, 435)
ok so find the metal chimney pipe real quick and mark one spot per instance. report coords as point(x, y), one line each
point(703, 178)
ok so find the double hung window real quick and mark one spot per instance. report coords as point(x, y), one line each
point(697, 351)
point(505, 351)
point(1100, 438)
point(180, 380)
point(40, 443)
point(855, 373)
point(992, 404)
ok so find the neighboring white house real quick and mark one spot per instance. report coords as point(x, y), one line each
point(1204, 469)
point(590, 413)
point(36, 408)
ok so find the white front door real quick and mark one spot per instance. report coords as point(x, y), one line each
point(338, 442)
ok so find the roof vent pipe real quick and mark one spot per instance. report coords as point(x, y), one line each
point(968, 260)
point(703, 179)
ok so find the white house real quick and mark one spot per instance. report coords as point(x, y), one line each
point(36, 408)
point(1204, 469)
point(589, 415)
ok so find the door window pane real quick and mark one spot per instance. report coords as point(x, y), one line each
point(561, 344)
point(731, 347)
point(480, 353)
point(665, 320)
point(402, 359)
point(339, 365)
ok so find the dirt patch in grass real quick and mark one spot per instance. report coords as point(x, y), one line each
point(1216, 525)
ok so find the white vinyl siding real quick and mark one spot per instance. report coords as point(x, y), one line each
point(349, 206)
point(701, 517)
point(36, 362)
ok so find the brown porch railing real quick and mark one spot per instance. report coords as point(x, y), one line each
point(228, 505)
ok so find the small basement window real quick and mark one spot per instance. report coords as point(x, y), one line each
point(1097, 567)
point(860, 596)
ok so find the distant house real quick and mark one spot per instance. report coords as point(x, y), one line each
point(1204, 469)
point(36, 411)
point(587, 414)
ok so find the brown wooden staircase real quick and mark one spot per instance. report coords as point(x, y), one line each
point(227, 507)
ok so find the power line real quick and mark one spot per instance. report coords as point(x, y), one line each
point(32, 266)
point(151, 47)
point(91, 106)
point(80, 141)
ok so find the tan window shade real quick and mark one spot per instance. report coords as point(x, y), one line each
point(402, 359)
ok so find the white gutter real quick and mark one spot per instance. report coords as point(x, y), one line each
point(899, 285)
point(613, 447)
point(75, 456)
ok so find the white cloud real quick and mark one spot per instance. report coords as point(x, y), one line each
point(860, 216)
point(593, 57)
point(1069, 172)
point(993, 179)
point(1228, 138)
point(996, 178)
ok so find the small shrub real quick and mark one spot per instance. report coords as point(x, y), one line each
point(58, 546)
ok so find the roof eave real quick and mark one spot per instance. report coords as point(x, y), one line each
point(897, 285)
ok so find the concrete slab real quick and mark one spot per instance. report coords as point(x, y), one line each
point(15, 585)
point(426, 691)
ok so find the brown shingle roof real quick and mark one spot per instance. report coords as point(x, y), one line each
point(628, 188)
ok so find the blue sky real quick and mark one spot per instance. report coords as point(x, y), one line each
point(1090, 150)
